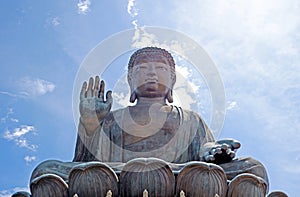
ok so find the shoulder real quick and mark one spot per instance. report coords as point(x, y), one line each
point(187, 113)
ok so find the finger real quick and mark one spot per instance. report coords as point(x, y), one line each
point(101, 91)
point(236, 145)
point(83, 90)
point(90, 88)
point(232, 154)
point(209, 158)
point(225, 147)
point(218, 151)
point(96, 87)
point(109, 98)
point(228, 151)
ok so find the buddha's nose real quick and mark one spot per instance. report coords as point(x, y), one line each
point(151, 70)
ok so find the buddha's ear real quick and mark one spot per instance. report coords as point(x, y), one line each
point(170, 96)
point(129, 77)
point(133, 94)
point(173, 76)
point(129, 80)
point(132, 97)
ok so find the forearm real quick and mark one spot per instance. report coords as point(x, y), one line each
point(90, 124)
point(82, 153)
point(85, 144)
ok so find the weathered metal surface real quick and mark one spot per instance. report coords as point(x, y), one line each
point(49, 185)
point(202, 179)
point(153, 175)
point(247, 185)
point(93, 179)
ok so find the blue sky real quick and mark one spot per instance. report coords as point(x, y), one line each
point(254, 44)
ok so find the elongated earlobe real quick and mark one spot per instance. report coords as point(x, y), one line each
point(170, 96)
point(132, 97)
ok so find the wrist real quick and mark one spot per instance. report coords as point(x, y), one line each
point(90, 124)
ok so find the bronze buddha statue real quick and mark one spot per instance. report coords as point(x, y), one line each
point(151, 128)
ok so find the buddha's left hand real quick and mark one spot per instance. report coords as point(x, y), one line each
point(221, 151)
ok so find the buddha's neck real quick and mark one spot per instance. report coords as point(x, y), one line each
point(145, 101)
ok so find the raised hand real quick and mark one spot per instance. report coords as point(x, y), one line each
point(93, 108)
point(221, 151)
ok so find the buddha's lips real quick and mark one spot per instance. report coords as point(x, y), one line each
point(151, 80)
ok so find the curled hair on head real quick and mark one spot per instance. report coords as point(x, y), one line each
point(151, 51)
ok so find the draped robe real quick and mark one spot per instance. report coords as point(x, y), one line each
point(179, 139)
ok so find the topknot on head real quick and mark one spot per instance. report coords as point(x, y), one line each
point(151, 51)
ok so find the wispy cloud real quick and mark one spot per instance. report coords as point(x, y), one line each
point(121, 93)
point(18, 136)
point(29, 159)
point(8, 117)
point(8, 94)
point(52, 21)
point(83, 6)
point(131, 8)
point(10, 192)
point(133, 12)
point(55, 21)
point(231, 105)
point(30, 87)
point(18, 132)
point(14, 119)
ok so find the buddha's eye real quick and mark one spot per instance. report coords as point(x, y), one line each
point(163, 68)
point(140, 67)
point(143, 67)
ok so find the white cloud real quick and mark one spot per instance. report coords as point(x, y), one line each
point(231, 105)
point(183, 70)
point(131, 8)
point(8, 116)
point(83, 6)
point(23, 143)
point(121, 98)
point(52, 21)
point(29, 159)
point(35, 87)
point(10, 192)
point(142, 38)
point(134, 23)
point(8, 94)
point(18, 136)
point(133, 12)
point(18, 132)
point(121, 93)
point(55, 21)
point(14, 120)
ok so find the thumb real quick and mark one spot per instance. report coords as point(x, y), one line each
point(109, 98)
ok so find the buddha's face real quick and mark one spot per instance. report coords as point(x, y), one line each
point(151, 76)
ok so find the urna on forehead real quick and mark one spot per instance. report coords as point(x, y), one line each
point(148, 53)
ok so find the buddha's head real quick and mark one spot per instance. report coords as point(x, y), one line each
point(151, 74)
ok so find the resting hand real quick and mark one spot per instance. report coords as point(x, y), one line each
point(92, 106)
point(221, 151)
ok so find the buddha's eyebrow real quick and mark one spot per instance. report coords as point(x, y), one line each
point(158, 60)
